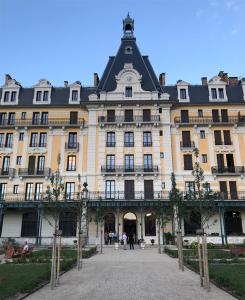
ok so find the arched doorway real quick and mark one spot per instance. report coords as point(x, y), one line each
point(109, 223)
point(233, 223)
point(130, 224)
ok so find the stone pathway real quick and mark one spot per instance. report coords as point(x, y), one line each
point(130, 275)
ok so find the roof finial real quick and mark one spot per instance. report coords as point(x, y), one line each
point(128, 27)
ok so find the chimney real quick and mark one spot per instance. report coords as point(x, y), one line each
point(65, 83)
point(204, 81)
point(223, 76)
point(233, 80)
point(96, 79)
point(162, 79)
point(7, 78)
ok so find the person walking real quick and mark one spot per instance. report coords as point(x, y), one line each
point(124, 237)
point(110, 237)
point(106, 237)
point(131, 241)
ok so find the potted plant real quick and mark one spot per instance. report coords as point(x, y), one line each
point(142, 244)
point(152, 242)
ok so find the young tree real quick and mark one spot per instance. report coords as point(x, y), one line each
point(99, 219)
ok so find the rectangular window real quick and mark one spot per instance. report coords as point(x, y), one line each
point(74, 95)
point(44, 118)
point(3, 118)
point(110, 115)
point(72, 140)
point(221, 93)
point(160, 132)
point(227, 137)
point(230, 163)
point(110, 163)
point(129, 190)
point(233, 189)
point(186, 138)
point(3, 191)
point(147, 139)
point(128, 115)
point(189, 187)
point(183, 94)
point(35, 118)
point(204, 158)
point(146, 115)
point(223, 190)
point(184, 116)
point(6, 97)
point(110, 189)
point(34, 139)
point(148, 190)
point(220, 163)
point(129, 139)
point(11, 119)
point(70, 191)
point(21, 136)
point(188, 162)
point(129, 163)
point(40, 165)
point(202, 134)
point(29, 191)
point(15, 189)
point(9, 140)
point(217, 137)
point(71, 163)
point(110, 141)
point(23, 115)
point(38, 96)
point(43, 139)
point(31, 164)
point(1, 140)
point(128, 91)
point(215, 115)
point(18, 160)
point(148, 163)
point(224, 115)
point(200, 113)
point(5, 166)
point(45, 96)
point(73, 117)
point(13, 97)
point(38, 191)
point(214, 93)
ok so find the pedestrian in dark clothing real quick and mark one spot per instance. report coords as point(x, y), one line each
point(131, 241)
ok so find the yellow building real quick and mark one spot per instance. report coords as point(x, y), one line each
point(124, 137)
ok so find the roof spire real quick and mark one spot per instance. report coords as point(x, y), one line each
point(128, 27)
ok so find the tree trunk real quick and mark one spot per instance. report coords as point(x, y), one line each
point(205, 263)
point(101, 238)
point(52, 276)
point(159, 237)
point(79, 243)
point(200, 260)
point(58, 261)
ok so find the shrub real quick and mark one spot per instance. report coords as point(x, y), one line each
point(194, 245)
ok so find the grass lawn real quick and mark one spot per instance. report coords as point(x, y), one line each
point(21, 278)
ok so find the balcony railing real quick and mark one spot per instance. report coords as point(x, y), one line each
point(7, 172)
point(236, 170)
point(35, 145)
point(110, 144)
point(133, 169)
point(25, 172)
point(209, 120)
point(186, 145)
point(128, 144)
point(72, 146)
point(56, 122)
point(6, 146)
point(123, 120)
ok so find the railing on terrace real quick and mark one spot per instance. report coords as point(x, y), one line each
point(42, 123)
point(186, 145)
point(227, 170)
point(133, 169)
point(113, 196)
point(209, 120)
point(24, 172)
point(135, 119)
point(72, 146)
point(7, 172)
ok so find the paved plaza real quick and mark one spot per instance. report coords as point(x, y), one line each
point(129, 275)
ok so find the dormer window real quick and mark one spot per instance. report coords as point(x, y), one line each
point(221, 93)
point(128, 92)
point(128, 50)
point(45, 96)
point(42, 92)
point(13, 96)
point(217, 89)
point(10, 91)
point(74, 95)
point(214, 93)
point(6, 96)
point(182, 93)
point(38, 96)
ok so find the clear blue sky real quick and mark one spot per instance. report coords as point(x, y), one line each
point(71, 39)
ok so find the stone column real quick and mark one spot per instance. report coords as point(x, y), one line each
point(91, 151)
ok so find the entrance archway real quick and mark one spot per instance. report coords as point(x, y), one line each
point(130, 224)
point(109, 223)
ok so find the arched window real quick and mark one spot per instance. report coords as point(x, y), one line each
point(150, 225)
point(192, 223)
point(29, 224)
point(233, 223)
point(68, 224)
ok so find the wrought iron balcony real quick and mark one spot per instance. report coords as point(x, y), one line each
point(52, 122)
point(72, 146)
point(117, 170)
point(128, 196)
point(135, 120)
point(26, 172)
point(36, 145)
point(236, 170)
point(6, 146)
point(209, 120)
point(110, 144)
point(187, 145)
point(128, 144)
point(7, 172)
